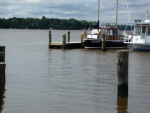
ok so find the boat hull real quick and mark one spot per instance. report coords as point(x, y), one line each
point(97, 43)
point(141, 47)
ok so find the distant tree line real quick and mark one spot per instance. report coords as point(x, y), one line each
point(43, 23)
point(125, 27)
point(46, 23)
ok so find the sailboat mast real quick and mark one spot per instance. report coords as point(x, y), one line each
point(98, 9)
point(116, 13)
point(98, 12)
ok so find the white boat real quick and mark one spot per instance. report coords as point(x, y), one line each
point(140, 39)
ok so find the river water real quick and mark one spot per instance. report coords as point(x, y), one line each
point(43, 80)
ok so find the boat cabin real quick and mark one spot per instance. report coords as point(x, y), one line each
point(141, 32)
point(110, 32)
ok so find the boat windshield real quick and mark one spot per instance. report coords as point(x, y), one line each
point(137, 30)
point(115, 32)
point(143, 29)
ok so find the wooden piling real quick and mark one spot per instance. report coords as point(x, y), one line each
point(2, 74)
point(2, 66)
point(85, 34)
point(68, 36)
point(82, 36)
point(2, 56)
point(2, 82)
point(64, 41)
point(122, 104)
point(2, 96)
point(2, 48)
point(2, 53)
point(103, 43)
point(50, 38)
point(122, 73)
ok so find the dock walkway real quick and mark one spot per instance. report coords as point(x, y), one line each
point(68, 45)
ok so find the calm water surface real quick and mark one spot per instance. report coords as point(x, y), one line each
point(42, 80)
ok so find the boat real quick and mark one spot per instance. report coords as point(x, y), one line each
point(108, 32)
point(140, 39)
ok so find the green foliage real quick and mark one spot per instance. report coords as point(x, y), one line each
point(125, 27)
point(47, 23)
point(43, 23)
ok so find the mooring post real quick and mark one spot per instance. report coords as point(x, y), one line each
point(2, 82)
point(82, 36)
point(50, 39)
point(2, 73)
point(85, 34)
point(103, 43)
point(122, 105)
point(68, 36)
point(2, 53)
point(2, 48)
point(2, 96)
point(64, 41)
point(122, 73)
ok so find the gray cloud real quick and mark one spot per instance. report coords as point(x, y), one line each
point(81, 10)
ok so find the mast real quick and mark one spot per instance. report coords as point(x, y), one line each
point(116, 13)
point(98, 12)
point(98, 9)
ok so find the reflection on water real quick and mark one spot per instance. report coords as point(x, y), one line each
point(2, 97)
point(122, 105)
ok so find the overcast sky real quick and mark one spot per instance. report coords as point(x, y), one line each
point(78, 9)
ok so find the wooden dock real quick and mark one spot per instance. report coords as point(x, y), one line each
point(68, 45)
point(65, 44)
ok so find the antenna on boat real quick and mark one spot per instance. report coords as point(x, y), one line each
point(116, 13)
point(147, 14)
